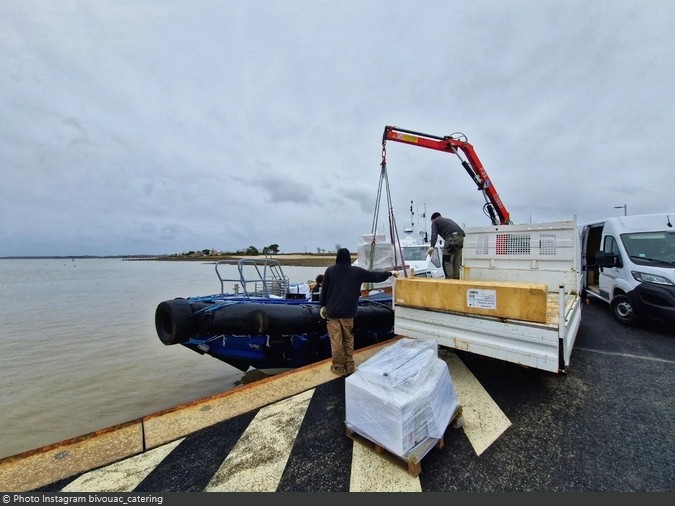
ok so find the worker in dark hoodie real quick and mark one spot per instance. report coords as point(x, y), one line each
point(339, 301)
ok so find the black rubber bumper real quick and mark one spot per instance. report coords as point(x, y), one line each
point(653, 301)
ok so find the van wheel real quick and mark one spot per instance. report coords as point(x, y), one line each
point(622, 310)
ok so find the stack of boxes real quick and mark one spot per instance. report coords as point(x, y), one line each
point(402, 398)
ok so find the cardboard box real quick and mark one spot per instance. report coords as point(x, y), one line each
point(402, 398)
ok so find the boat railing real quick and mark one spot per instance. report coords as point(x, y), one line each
point(257, 278)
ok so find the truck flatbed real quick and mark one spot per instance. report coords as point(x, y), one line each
point(518, 299)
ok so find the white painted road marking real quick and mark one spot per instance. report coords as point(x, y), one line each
point(373, 473)
point(122, 476)
point(483, 420)
point(257, 461)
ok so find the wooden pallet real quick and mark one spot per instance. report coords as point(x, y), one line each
point(412, 464)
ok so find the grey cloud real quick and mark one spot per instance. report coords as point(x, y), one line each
point(149, 127)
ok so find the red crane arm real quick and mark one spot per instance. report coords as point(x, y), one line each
point(498, 213)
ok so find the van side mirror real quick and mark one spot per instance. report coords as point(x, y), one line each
point(607, 259)
point(599, 258)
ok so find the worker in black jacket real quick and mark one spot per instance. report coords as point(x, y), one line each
point(453, 242)
point(339, 301)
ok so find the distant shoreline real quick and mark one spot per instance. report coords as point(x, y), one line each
point(294, 259)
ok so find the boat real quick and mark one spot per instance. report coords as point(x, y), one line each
point(266, 322)
point(414, 253)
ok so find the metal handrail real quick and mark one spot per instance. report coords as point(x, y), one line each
point(257, 278)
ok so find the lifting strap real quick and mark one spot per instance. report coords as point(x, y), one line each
point(393, 229)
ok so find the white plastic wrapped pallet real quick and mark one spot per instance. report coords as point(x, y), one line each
point(374, 253)
point(402, 398)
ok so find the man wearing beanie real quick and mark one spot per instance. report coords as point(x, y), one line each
point(339, 301)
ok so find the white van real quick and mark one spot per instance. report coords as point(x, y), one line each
point(629, 262)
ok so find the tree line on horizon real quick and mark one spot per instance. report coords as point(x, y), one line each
point(272, 249)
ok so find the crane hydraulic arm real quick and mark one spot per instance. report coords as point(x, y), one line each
point(454, 143)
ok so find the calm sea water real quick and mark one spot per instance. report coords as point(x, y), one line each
point(79, 348)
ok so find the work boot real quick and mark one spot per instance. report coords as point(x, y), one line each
point(339, 370)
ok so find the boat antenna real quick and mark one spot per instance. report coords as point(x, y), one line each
point(424, 215)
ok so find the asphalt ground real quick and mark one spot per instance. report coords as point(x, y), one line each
point(608, 425)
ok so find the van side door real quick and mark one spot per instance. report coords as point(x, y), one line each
point(612, 266)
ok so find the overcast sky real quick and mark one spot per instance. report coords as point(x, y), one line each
point(163, 126)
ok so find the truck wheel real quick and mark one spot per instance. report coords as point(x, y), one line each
point(622, 310)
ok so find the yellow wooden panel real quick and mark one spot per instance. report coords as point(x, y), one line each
point(519, 301)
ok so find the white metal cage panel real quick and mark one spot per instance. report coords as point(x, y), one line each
point(536, 253)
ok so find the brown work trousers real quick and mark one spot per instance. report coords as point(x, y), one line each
point(340, 331)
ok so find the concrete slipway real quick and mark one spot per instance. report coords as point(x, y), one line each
point(608, 425)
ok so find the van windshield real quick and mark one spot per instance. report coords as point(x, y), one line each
point(650, 247)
